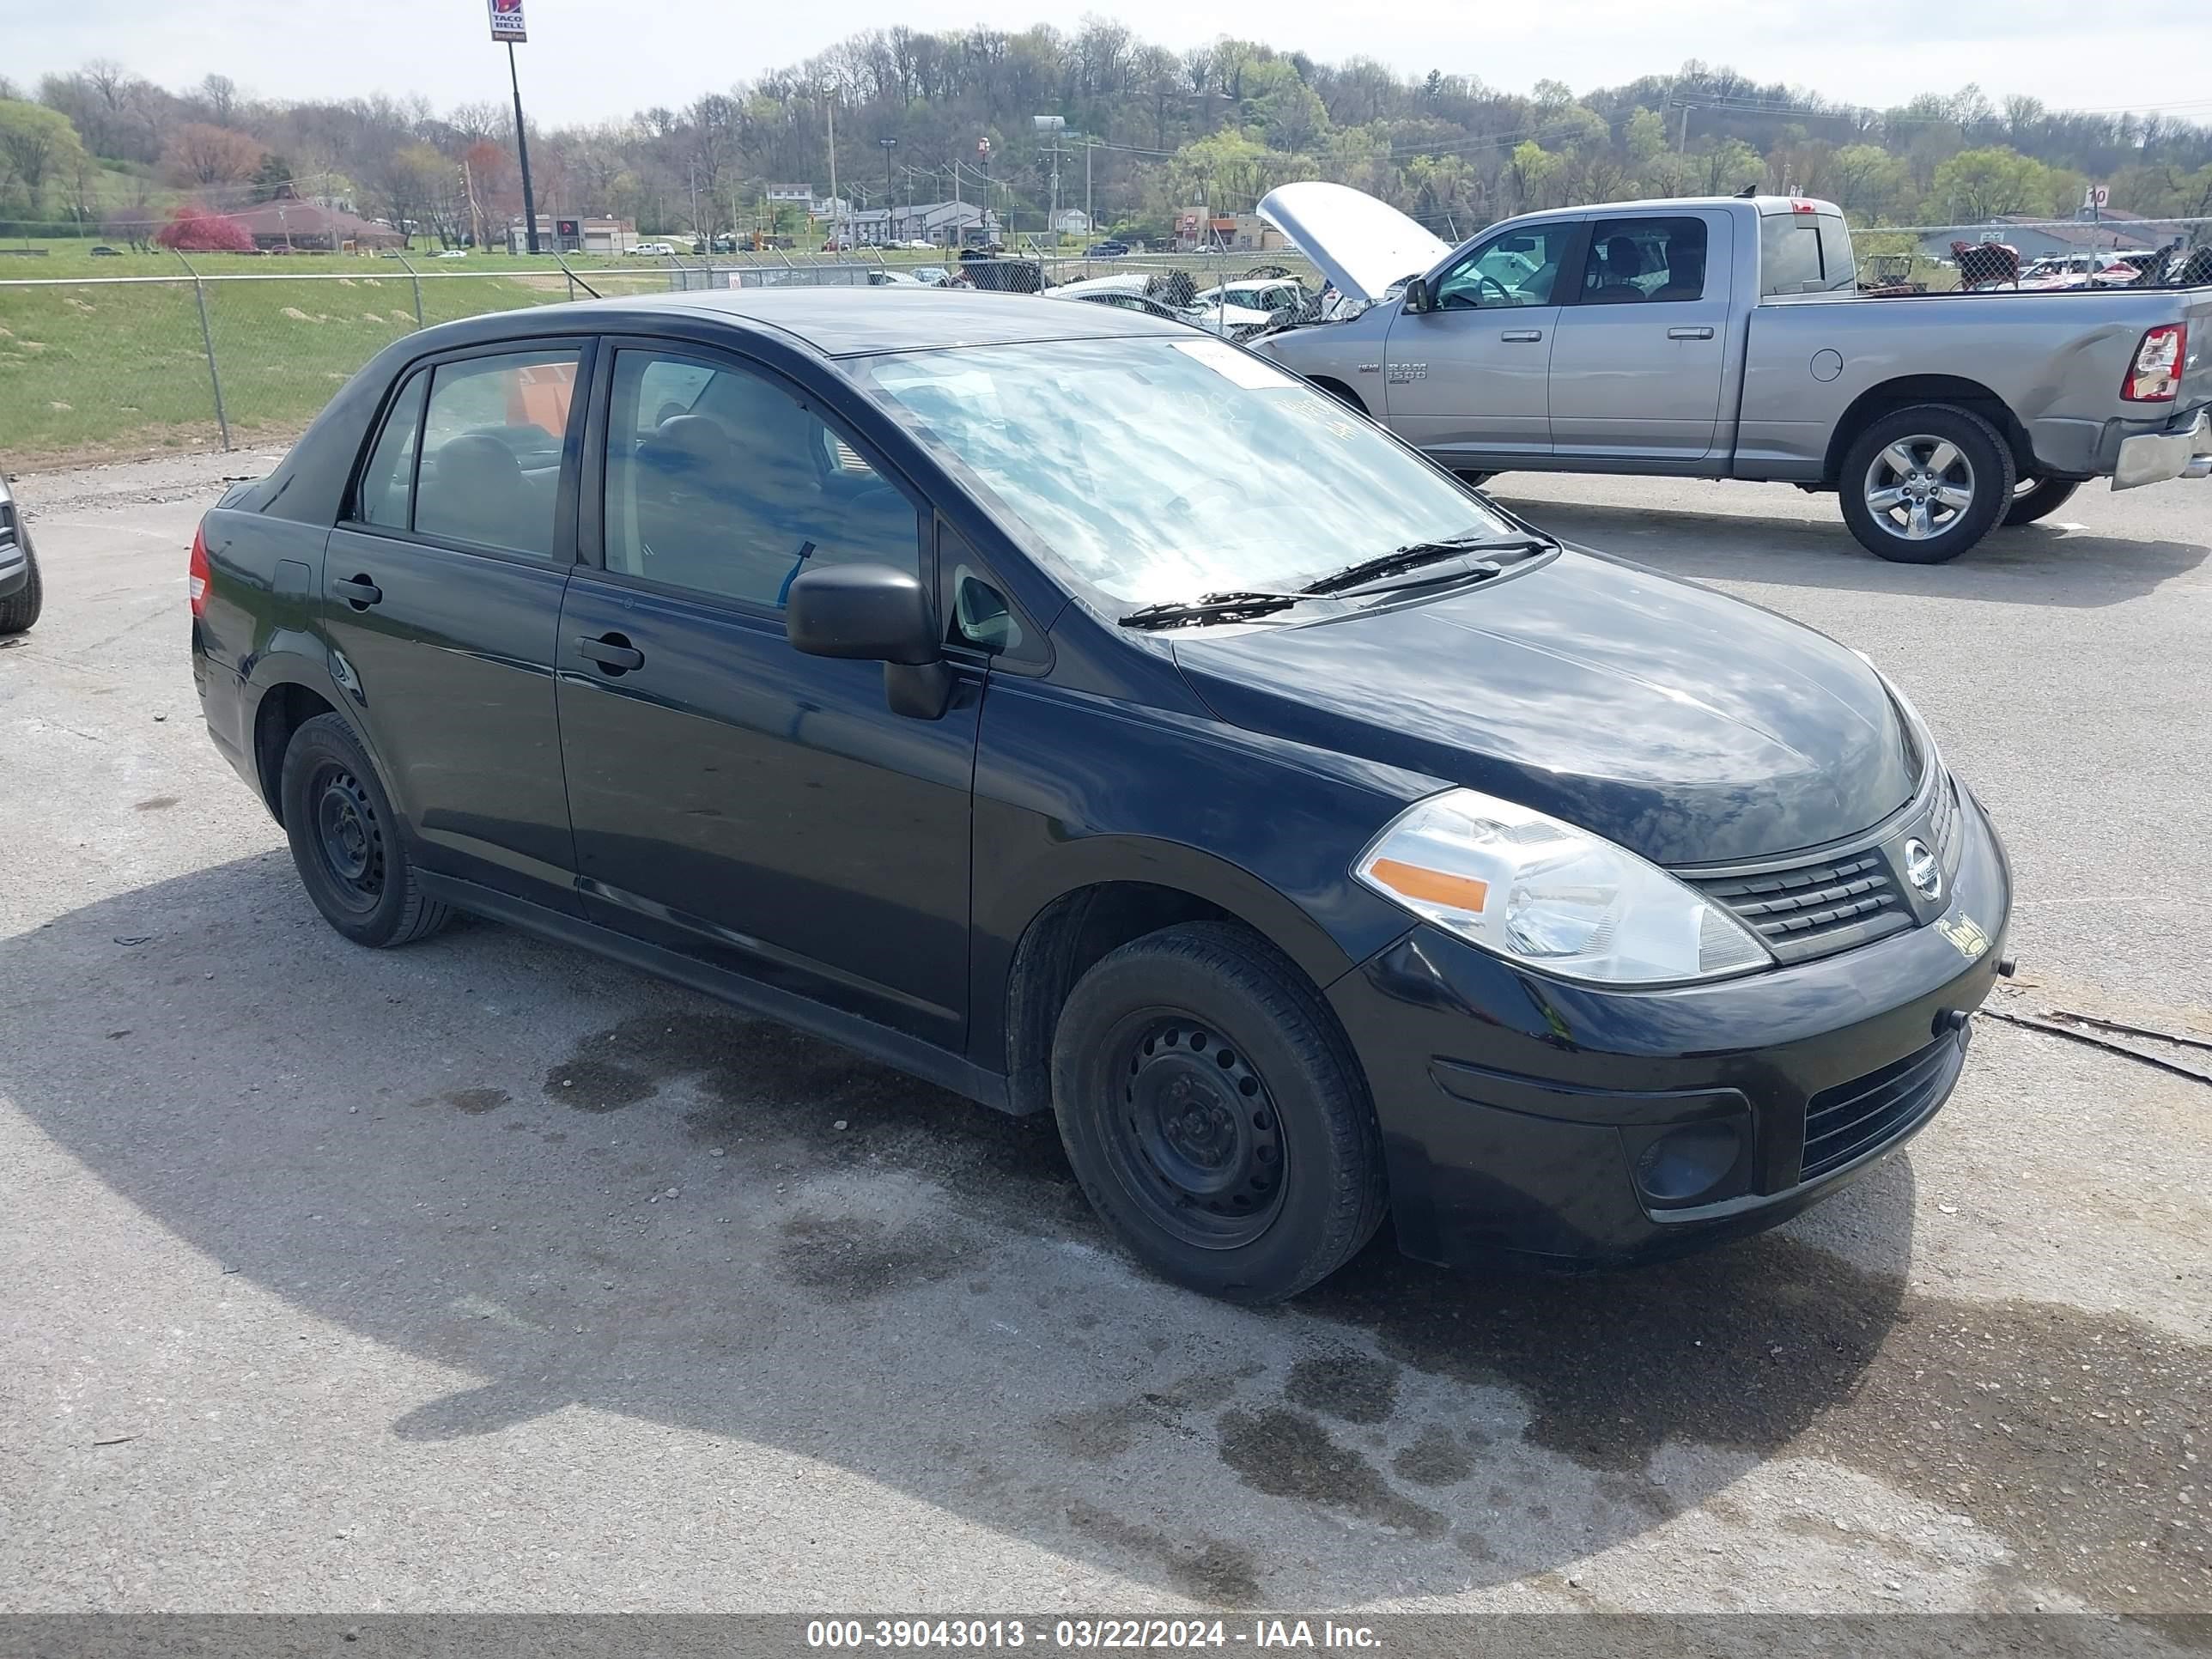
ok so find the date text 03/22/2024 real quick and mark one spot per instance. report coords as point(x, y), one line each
point(1088, 1633)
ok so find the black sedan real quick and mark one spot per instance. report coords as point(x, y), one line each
point(1079, 713)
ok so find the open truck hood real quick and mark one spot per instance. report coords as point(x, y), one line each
point(1364, 247)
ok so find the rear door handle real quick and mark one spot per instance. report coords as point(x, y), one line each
point(614, 654)
point(358, 592)
point(1521, 336)
point(1689, 334)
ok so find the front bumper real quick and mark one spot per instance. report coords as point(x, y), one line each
point(1513, 1108)
point(2183, 450)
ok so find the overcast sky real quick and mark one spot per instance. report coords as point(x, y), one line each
point(589, 60)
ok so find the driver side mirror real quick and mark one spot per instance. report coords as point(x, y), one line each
point(873, 613)
point(1418, 296)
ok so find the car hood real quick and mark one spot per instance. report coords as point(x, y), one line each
point(1686, 725)
point(1364, 245)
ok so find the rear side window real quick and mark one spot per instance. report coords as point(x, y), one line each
point(387, 483)
point(1804, 253)
point(1636, 260)
point(491, 450)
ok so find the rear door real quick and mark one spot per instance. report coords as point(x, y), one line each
point(441, 600)
point(733, 799)
point(1637, 369)
point(1466, 378)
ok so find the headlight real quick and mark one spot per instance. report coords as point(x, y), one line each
point(1546, 894)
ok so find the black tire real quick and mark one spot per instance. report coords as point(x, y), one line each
point(20, 609)
point(1215, 1114)
point(346, 840)
point(1981, 469)
point(2038, 498)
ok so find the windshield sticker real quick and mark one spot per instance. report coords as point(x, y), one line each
point(1241, 368)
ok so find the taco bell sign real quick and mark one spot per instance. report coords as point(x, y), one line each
point(506, 21)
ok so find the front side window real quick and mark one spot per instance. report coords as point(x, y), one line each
point(1520, 268)
point(721, 482)
point(1635, 260)
point(491, 449)
point(1162, 469)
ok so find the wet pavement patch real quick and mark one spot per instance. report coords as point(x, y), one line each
point(1205, 1569)
point(1345, 1383)
point(1286, 1454)
point(1437, 1457)
point(474, 1103)
point(852, 1259)
point(2081, 1438)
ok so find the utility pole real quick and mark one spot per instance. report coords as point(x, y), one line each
point(829, 104)
point(522, 154)
point(889, 144)
point(1090, 220)
point(1682, 144)
point(694, 198)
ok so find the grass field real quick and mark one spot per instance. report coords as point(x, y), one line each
point(113, 370)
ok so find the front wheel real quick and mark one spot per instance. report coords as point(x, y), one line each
point(1215, 1115)
point(2038, 498)
point(1922, 485)
point(20, 609)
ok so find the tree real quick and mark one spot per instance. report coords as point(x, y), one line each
point(220, 93)
point(1976, 186)
point(36, 144)
point(273, 178)
point(200, 153)
point(194, 229)
point(1867, 182)
point(1727, 166)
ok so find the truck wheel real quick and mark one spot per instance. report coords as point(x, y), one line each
point(1922, 485)
point(2038, 498)
point(20, 609)
point(346, 840)
point(1215, 1114)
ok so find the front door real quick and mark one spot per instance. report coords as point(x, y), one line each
point(441, 602)
point(1465, 380)
point(1636, 371)
point(733, 799)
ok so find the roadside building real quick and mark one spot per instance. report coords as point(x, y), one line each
point(945, 224)
point(2038, 237)
point(561, 234)
point(307, 227)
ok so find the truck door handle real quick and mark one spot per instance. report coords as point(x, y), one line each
point(1689, 334)
point(1521, 336)
point(614, 654)
point(358, 592)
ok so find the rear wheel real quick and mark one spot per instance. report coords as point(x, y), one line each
point(346, 841)
point(20, 609)
point(1215, 1115)
point(1922, 485)
point(2037, 498)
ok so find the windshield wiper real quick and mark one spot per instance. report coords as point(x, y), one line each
point(1214, 607)
point(1413, 554)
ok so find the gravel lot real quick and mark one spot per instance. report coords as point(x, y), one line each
point(488, 1275)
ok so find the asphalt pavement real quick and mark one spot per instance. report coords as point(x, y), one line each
point(488, 1275)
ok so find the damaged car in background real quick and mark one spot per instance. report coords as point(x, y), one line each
point(1727, 338)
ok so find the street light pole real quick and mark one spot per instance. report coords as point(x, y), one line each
point(889, 144)
point(522, 154)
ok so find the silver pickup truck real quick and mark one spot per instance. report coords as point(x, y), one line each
point(1727, 338)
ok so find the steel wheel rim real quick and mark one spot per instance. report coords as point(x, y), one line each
point(1918, 487)
point(348, 839)
point(1192, 1132)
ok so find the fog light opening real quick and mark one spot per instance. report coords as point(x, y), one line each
point(1686, 1164)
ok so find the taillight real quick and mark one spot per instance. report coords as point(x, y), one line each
point(2156, 374)
point(196, 573)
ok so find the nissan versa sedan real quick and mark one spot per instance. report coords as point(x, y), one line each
point(1082, 713)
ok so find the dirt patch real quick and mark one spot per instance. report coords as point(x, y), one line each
point(857, 1259)
point(473, 1102)
point(1205, 1569)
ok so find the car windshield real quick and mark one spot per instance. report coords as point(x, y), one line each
point(1160, 470)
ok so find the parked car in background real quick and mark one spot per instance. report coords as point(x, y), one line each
point(1090, 717)
point(931, 276)
point(1725, 338)
point(454, 253)
point(654, 250)
point(21, 592)
point(1108, 249)
point(888, 278)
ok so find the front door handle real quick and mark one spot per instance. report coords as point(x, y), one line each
point(1521, 336)
point(614, 654)
point(358, 592)
point(1689, 334)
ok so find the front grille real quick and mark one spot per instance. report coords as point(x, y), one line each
point(1855, 1118)
point(1817, 908)
point(1943, 825)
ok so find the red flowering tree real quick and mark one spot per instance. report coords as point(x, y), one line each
point(194, 229)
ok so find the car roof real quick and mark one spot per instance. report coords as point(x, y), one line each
point(845, 322)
